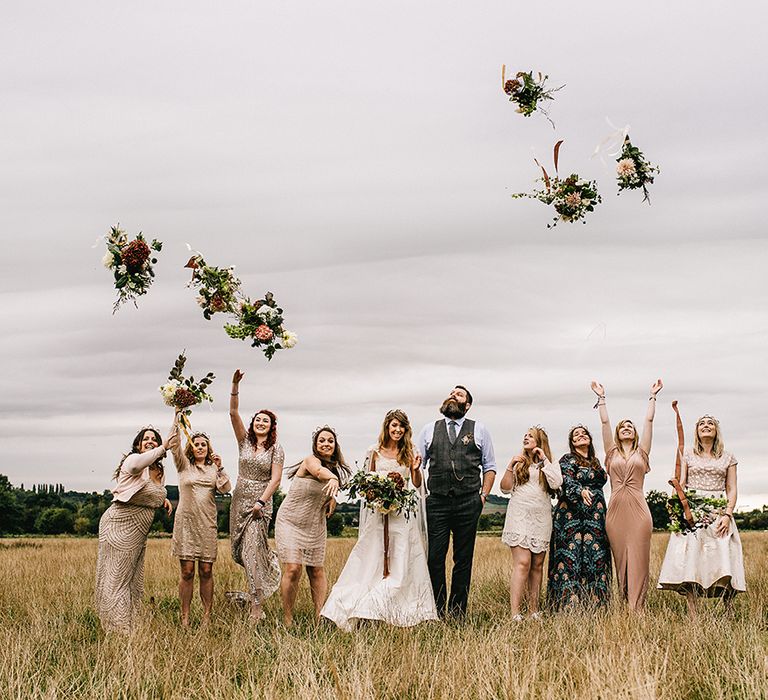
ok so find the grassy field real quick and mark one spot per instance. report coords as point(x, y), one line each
point(51, 645)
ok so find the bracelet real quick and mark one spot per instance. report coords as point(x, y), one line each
point(651, 398)
point(237, 394)
point(261, 503)
point(599, 398)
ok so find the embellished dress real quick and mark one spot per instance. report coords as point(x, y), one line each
point(579, 554)
point(123, 531)
point(700, 561)
point(629, 524)
point(195, 527)
point(300, 528)
point(528, 522)
point(250, 547)
point(402, 599)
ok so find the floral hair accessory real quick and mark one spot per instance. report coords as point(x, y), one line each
point(571, 197)
point(706, 415)
point(131, 264)
point(201, 434)
point(320, 429)
point(526, 92)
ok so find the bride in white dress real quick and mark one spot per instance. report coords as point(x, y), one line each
point(405, 597)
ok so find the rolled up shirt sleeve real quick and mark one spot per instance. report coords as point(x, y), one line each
point(486, 448)
point(423, 442)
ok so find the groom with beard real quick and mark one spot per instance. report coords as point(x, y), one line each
point(457, 456)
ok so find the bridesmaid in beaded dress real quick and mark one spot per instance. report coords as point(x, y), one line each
point(628, 523)
point(300, 530)
point(260, 470)
point(123, 531)
point(708, 561)
point(195, 527)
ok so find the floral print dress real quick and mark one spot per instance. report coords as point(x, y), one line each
point(580, 556)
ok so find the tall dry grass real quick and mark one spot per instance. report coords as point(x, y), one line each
point(51, 645)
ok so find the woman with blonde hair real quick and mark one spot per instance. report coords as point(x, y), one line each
point(195, 528)
point(404, 598)
point(300, 529)
point(707, 561)
point(628, 522)
point(531, 480)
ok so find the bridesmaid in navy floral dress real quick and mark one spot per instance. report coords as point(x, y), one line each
point(580, 556)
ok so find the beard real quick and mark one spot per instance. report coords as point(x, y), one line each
point(452, 409)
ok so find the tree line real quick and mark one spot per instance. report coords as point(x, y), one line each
point(49, 509)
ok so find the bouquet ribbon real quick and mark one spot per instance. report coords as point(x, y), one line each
point(386, 545)
point(675, 483)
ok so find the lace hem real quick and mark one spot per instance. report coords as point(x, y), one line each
point(517, 539)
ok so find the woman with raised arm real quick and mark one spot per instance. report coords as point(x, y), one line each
point(124, 527)
point(579, 553)
point(531, 480)
point(300, 530)
point(195, 528)
point(259, 472)
point(708, 561)
point(628, 523)
point(404, 597)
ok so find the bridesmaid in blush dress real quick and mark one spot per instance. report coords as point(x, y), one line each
point(628, 522)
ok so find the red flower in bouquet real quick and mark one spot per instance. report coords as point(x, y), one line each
point(183, 398)
point(263, 333)
point(398, 480)
point(135, 254)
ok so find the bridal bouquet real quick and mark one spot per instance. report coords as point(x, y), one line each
point(131, 264)
point(261, 322)
point(527, 92)
point(383, 493)
point(183, 393)
point(704, 509)
point(218, 286)
point(633, 171)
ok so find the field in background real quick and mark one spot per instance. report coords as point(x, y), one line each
point(51, 645)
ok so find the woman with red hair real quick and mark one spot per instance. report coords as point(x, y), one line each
point(260, 470)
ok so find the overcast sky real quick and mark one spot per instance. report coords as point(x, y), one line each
point(356, 159)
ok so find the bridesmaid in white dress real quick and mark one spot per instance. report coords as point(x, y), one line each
point(531, 480)
point(405, 597)
point(707, 562)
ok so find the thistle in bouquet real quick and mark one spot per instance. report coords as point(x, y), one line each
point(527, 92)
point(131, 264)
point(704, 509)
point(183, 393)
point(383, 493)
point(218, 286)
point(261, 322)
point(571, 197)
point(634, 171)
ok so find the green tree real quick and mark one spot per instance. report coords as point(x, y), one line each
point(55, 521)
point(335, 525)
point(277, 498)
point(11, 516)
point(657, 504)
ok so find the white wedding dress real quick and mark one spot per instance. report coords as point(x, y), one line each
point(405, 597)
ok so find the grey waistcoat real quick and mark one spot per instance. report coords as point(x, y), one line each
point(454, 468)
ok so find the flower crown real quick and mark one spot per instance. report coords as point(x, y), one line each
point(200, 433)
point(320, 429)
point(706, 415)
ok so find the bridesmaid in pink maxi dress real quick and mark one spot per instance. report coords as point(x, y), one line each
point(628, 522)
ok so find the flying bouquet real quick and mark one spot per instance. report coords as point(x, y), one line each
point(131, 263)
point(704, 511)
point(527, 92)
point(183, 393)
point(218, 286)
point(385, 494)
point(572, 197)
point(633, 171)
point(261, 322)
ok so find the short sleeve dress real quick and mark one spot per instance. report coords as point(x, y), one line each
point(300, 529)
point(700, 561)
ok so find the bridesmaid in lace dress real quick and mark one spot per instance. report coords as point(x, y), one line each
point(707, 562)
point(628, 523)
point(300, 530)
point(123, 531)
point(260, 470)
point(195, 527)
point(531, 480)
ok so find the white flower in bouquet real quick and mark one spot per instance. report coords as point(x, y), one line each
point(168, 391)
point(290, 339)
point(123, 270)
point(108, 260)
point(266, 312)
point(200, 301)
point(625, 168)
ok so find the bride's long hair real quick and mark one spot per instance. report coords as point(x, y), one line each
point(405, 444)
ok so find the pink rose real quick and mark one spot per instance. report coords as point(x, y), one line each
point(263, 333)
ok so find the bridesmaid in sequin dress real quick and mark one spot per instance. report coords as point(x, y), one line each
point(260, 470)
point(628, 522)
